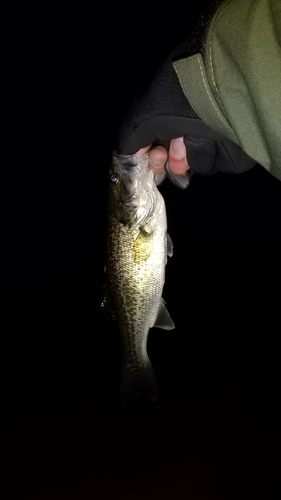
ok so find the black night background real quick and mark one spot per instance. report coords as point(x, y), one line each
point(67, 80)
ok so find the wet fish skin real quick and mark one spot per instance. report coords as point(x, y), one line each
point(136, 256)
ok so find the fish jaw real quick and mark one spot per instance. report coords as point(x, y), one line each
point(132, 189)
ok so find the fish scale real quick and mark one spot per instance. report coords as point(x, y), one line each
point(136, 256)
point(137, 284)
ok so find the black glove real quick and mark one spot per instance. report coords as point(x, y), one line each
point(161, 112)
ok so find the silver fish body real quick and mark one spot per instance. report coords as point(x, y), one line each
point(136, 256)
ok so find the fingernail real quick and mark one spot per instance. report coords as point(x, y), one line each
point(177, 148)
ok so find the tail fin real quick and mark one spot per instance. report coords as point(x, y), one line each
point(138, 379)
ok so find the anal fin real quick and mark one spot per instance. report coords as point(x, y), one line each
point(163, 319)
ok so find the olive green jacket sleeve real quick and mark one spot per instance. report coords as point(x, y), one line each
point(235, 84)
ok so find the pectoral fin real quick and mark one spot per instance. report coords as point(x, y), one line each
point(143, 247)
point(163, 319)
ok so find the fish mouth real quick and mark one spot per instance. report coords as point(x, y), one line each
point(131, 204)
point(132, 199)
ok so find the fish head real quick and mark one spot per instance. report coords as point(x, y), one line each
point(132, 189)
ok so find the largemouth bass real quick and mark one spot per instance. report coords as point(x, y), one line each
point(136, 255)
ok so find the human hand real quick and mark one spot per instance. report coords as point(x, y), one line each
point(176, 155)
point(163, 121)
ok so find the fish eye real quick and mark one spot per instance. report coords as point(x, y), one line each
point(114, 178)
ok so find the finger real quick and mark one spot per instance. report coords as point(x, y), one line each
point(142, 151)
point(178, 163)
point(157, 158)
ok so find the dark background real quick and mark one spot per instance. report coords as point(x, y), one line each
point(67, 80)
